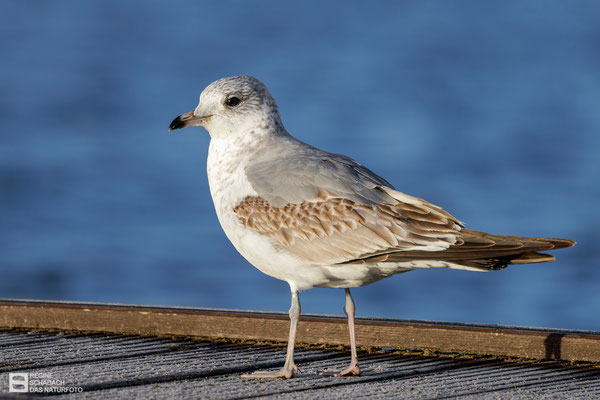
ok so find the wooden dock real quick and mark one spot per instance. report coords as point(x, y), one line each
point(107, 351)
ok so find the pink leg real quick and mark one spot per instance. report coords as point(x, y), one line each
point(289, 367)
point(353, 368)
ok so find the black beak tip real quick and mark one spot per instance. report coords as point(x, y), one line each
point(177, 123)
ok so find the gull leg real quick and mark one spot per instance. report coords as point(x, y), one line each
point(353, 368)
point(289, 367)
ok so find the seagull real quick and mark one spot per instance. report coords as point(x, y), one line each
point(314, 218)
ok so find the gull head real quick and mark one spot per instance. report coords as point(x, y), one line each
point(232, 106)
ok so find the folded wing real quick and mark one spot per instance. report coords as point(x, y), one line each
point(332, 210)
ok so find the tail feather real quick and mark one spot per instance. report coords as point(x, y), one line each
point(529, 258)
point(482, 251)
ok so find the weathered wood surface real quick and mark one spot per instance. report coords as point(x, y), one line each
point(101, 366)
point(204, 323)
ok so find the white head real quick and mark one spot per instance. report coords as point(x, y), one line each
point(233, 106)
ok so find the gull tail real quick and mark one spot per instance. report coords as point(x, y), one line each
point(479, 251)
point(484, 252)
point(506, 250)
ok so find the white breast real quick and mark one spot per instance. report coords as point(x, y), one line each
point(229, 185)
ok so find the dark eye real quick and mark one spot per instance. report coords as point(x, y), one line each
point(232, 101)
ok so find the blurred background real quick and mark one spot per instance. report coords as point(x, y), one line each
point(488, 109)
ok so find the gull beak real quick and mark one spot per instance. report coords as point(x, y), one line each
point(188, 119)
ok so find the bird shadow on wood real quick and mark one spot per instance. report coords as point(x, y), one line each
point(553, 345)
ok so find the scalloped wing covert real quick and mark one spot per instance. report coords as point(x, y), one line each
point(331, 229)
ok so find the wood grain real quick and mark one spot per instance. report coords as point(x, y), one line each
point(518, 342)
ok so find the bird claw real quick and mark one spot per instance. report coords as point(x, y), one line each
point(351, 370)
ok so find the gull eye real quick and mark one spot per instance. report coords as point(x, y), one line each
point(232, 101)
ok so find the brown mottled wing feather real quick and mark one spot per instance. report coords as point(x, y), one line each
point(330, 229)
point(334, 230)
point(328, 209)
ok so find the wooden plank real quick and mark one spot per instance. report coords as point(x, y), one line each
point(148, 368)
point(383, 333)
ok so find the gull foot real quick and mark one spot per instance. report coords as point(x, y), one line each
point(351, 370)
point(284, 372)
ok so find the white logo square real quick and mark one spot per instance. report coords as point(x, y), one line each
point(18, 382)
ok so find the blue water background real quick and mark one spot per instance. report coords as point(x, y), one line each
point(489, 109)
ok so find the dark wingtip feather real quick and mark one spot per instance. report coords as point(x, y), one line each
point(562, 243)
